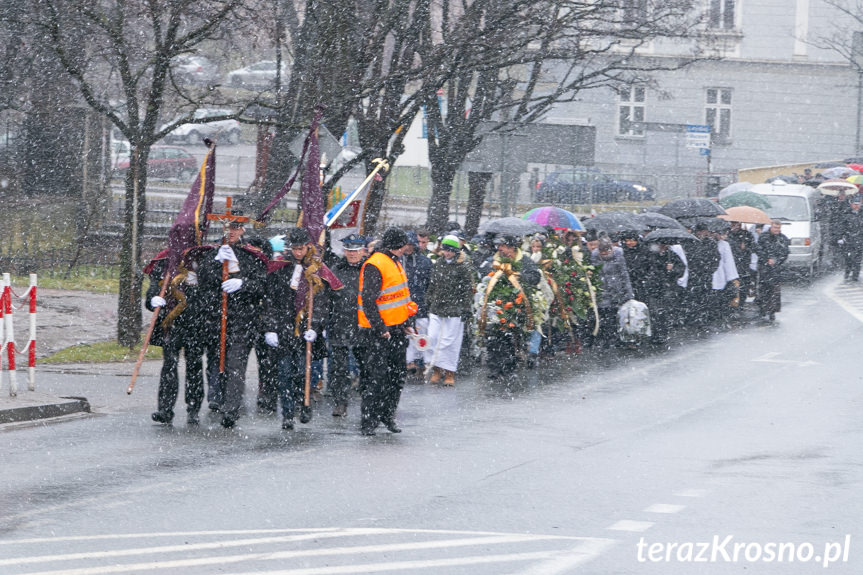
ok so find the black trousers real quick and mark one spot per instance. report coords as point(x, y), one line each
point(503, 350)
point(338, 370)
point(227, 388)
point(268, 375)
point(169, 379)
point(382, 376)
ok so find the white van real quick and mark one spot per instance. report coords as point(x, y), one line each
point(797, 206)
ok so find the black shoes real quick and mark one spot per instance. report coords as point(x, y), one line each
point(340, 410)
point(367, 430)
point(215, 406)
point(305, 414)
point(192, 418)
point(229, 421)
point(391, 426)
point(288, 424)
point(165, 417)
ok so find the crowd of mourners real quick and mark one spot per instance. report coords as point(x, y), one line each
point(402, 305)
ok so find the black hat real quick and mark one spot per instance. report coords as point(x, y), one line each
point(354, 242)
point(394, 239)
point(452, 225)
point(298, 237)
point(507, 240)
point(235, 223)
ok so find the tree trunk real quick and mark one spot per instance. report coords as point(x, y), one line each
point(377, 194)
point(438, 209)
point(477, 184)
point(129, 302)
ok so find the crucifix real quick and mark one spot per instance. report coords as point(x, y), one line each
point(227, 219)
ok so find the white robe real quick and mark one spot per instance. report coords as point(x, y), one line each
point(413, 353)
point(445, 337)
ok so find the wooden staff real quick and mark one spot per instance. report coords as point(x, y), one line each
point(165, 281)
point(227, 218)
point(311, 298)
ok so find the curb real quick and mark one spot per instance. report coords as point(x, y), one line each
point(34, 412)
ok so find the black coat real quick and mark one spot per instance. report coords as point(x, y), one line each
point(343, 328)
point(193, 322)
point(637, 264)
point(851, 230)
point(244, 304)
point(775, 247)
point(418, 270)
point(703, 258)
point(742, 244)
point(450, 291)
point(280, 312)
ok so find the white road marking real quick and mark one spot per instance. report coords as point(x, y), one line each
point(591, 549)
point(270, 555)
point(771, 358)
point(406, 565)
point(846, 295)
point(691, 493)
point(629, 525)
point(664, 508)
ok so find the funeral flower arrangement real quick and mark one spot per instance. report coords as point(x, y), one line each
point(503, 304)
point(576, 286)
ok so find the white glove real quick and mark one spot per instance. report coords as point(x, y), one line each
point(272, 339)
point(231, 285)
point(191, 278)
point(226, 254)
point(841, 242)
point(157, 301)
point(310, 335)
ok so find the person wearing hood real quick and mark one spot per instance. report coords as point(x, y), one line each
point(449, 298)
point(385, 315)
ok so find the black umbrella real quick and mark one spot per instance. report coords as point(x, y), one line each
point(690, 208)
point(614, 222)
point(657, 220)
point(786, 179)
point(668, 236)
point(512, 226)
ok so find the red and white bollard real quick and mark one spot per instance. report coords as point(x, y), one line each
point(31, 345)
point(10, 334)
point(2, 325)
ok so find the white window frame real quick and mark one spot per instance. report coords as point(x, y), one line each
point(631, 101)
point(723, 15)
point(718, 112)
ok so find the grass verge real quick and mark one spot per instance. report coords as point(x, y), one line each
point(102, 352)
point(82, 282)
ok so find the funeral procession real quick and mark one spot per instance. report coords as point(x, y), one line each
point(491, 287)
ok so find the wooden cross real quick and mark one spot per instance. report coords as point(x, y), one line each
point(227, 218)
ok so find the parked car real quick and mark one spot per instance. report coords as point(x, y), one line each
point(165, 162)
point(191, 69)
point(194, 134)
point(260, 75)
point(581, 186)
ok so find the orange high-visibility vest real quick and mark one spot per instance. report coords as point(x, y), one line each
point(394, 302)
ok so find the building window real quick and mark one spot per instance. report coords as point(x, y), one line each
point(631, 111)
point(718, 113)
point(721, 15)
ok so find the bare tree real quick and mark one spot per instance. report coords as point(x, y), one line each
point(118, 52)
point(518, 77)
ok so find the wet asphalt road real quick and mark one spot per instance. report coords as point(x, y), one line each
point(752, 433)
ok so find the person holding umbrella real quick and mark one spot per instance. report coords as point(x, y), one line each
point(772, 250)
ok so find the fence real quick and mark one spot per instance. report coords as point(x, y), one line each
point(7, 332)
